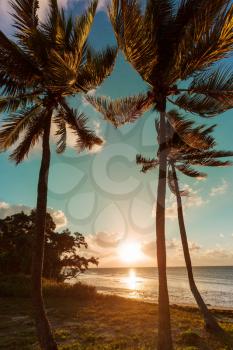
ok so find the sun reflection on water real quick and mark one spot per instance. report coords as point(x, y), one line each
point(133, 283)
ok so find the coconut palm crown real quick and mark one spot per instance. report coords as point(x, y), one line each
point(48, 62)
point(168, 45)
point(189, 146)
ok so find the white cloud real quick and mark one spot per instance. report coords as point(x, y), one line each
point(6, 19)
point(220, 189)
point(7, 209)
point(221, 235)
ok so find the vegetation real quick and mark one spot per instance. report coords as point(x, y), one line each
point(188, 147)
point(47, 63)
point(168, 46)
point(107, 323)
point(61, 260)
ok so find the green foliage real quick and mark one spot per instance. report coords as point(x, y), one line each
point(20, 286)
point(61, 260)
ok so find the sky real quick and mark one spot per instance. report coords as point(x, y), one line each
point(103, 194)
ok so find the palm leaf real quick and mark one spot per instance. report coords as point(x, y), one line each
point(189, 171)
point(123, 110)
point(147, 163)
point(207, 155)
point(87, 139)
point(83, 26)
point(207, 40)
point(15, 64)
point(206, 106)
point(217, 84)
point(98, 67)
point(134, 38)
point(14, 125)
point(25, 18)
point(34, 131)
point(195, 137)
point(12, 103)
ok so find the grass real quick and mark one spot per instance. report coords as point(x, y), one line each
point(100, 322)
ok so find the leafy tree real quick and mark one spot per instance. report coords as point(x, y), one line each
point(61, 260)
point(188, 147)
point(47, 63)
point(169, 45)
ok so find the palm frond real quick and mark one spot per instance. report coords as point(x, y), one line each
point(207, 155)
point(15, 64)
point(196, 137)
point(207, 40)
point(25, 18)
point(123, 110)
point(210, 162)
point(86, 138)
point(83, 26)
point(134, 38)
point(12, 103)
point(98, 67)
point(14, 125)
point(217, 84)
point(189, 171)
point(34, 131)
point(147, 163)
point(206, 106)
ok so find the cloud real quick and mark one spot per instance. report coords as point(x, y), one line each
point(106, 240)
point(7, 209)
point(220, 189)
point(173, 245)
point(6, 18)
point(193, 199)
point(221, 235)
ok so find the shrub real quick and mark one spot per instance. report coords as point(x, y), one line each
point(20, 286)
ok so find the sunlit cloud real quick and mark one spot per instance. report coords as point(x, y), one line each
point(7, 209)
point(220, 189)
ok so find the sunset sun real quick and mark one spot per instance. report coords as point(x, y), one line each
point(130, 252)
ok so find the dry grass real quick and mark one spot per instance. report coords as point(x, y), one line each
point(106, 323)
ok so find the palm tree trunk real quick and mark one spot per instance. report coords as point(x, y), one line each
point(210, 322)
point(164, 323)
point(44, 332)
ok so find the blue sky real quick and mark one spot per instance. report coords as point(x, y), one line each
point(103, 194)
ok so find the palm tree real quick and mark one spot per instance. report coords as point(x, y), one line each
point(168, 45)
point(187, 147)
point(47, 63)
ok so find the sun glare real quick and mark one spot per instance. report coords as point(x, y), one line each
point(130, 252)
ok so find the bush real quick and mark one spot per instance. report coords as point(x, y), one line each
point(20, 286)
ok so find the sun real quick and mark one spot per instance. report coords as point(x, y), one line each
point(130, 252)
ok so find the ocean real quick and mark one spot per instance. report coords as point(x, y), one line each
point(215, 284)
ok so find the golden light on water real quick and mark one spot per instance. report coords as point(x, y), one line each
point(132, 280)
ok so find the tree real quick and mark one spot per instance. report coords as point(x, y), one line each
point(49, 62)
point(61, 260)
point(168, 45)
point(188, 146)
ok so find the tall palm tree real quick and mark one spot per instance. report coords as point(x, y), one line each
point(47, 63)
point(167, 45)
point(187, 147)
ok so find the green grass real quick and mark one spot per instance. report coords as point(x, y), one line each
point(105, 323)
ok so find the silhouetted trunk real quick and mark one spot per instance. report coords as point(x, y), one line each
point(164, 323)
point(210, 322)
point(44, 332)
